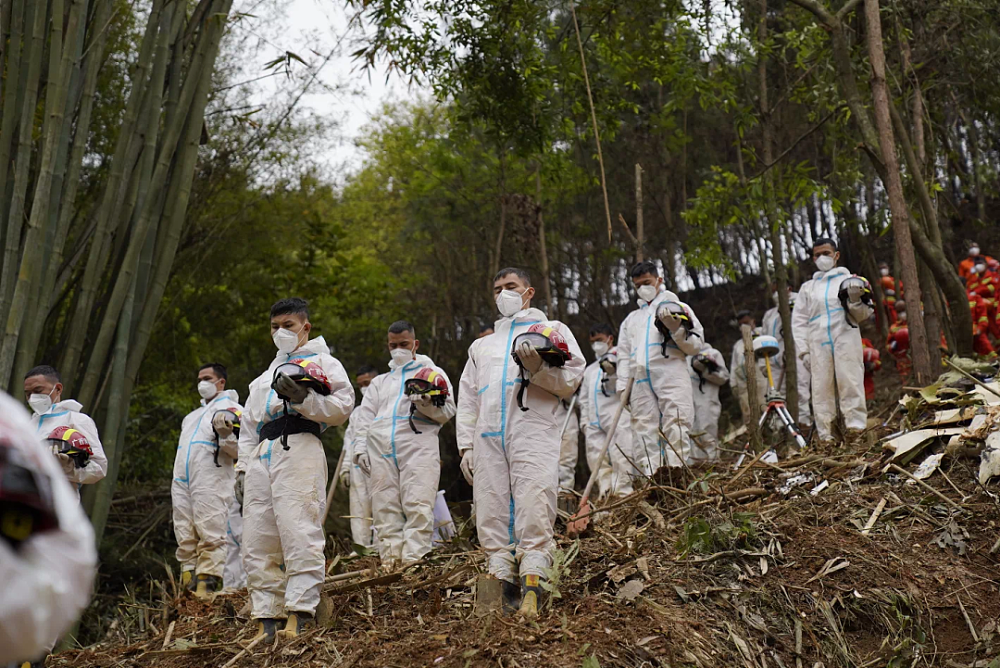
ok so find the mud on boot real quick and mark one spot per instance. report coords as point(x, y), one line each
point(531, 596)
point(511, 596)
point(298, 623)
point(267, 627)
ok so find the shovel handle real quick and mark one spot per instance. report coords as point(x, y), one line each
point(569, 416)
point(607, 442)
point(333, 484)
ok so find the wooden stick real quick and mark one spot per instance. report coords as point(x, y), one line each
point(333, 484)
point(874, 518)
point(971, 377)
point(170, 632)
point(348, 576)
point(972, 629)
point(746, 468)
point(245, 650)
point(593, 117)
point(923, 484)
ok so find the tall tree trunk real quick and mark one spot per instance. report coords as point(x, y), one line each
point(640, 233)
point(894, 188)
point(543, 252)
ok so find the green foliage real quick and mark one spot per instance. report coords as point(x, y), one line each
point(560, 569)
point(701, 537)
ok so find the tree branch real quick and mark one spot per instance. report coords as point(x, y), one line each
point(821, 12)
point(846, 9)
point(798, 141)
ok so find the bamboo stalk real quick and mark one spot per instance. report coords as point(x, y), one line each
point(7, 127)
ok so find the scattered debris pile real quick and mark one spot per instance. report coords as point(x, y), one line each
point(882, 554)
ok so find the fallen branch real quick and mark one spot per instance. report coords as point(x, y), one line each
point(874, 517)
point(246, 649)
point(923, 484)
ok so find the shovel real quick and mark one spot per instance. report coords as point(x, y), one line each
point(581, 520)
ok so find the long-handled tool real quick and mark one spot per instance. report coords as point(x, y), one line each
point(581, 520)
point(333, 484)
point(569, 416)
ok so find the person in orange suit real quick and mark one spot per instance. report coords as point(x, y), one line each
point(980, 325)
point(873, 363)
point(899, 341)
point(966, 265)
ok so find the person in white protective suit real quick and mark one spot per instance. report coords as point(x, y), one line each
point(708, 373)
point(569, 446)
point(514, 452)
point(396, 444)
point(828, 341)
point(738, 369)
point(202, 488)
point(234, 576)
point(282, 470)
point(661, 398)
point(771, 326)
point(47, 565)
point(598, 404)
point(43, 392)
point(353, 478)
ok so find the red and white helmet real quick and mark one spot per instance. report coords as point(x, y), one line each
point(71, 442)
point(27, 505)
point(550, 344)
point(427, 381)
point(307, 373)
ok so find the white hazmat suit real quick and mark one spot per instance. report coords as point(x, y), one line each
point(705, 384)
point(598, 405)
point(771, 325)
point(201, 492)
point(738, 369)
point(831, 348)
point(360, 497)
point(569, 447)
point(661, 396)
point(405, 465)
point(515, 453)
point(67, 413)
point(285, 490)
point(46, 582)
point(233, 575)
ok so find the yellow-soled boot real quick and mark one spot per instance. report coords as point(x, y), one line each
point(267, 627)
point(298, 623)
point(187, 580)
point(531, 594)
point(205, 590)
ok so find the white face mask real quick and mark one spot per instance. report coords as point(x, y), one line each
point(41, 403)
point(401, 356)
point(902, 316)
point(364, 390)
point(825, 263)
point(207, 389)
point(599, 347)
point(974, 251)
point(285, 340)
point(509, 302)
point(884, 271)
point(647, 293)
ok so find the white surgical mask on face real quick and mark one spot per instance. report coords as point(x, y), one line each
point(884, 271)
point(41, 403)
point(902, 316)
point(825, 263)
point(647, 293)
point(509, 302)
point(401, 356)
point(974, 251)
point(207, 389)
point(364, 390)
point(285, 340)
point(599, 347)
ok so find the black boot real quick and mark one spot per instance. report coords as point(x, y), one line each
point(511, 596)
point(267, 627)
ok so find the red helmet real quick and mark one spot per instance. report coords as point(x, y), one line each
point(428, 381)
point(888, 283)
point(237, 414)
point(549, 343)
point(870, 355)
point(899, 341)
point(69, 441)
point(304, 372)
point(26, 502)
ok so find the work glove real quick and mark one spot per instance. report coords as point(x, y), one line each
point(289, 388)
point(805, 361)
point(530, 359)
point(363, 462)
point(345, 479)
point(422, 401)
point(671, 323)
point(467, 467)
point(66, 462)
point(222, 422)
point(699, 364)
point(238, 488)
point(854, 293)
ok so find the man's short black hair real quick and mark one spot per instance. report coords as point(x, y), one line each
point(825, 241)
point(520, 273)
point(401, 326)
point(601, 328)
point(49, 372)
point(486, 328)
point(290, 306)
point(643, 268)
point(743, 314)
point(217, 369)
point(365, 370)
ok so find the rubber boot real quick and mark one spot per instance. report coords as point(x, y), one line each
point(531, 594)
point(187, 580)
point(267, 627)
point(298, 622)
point(511, 596)
point(205, 590)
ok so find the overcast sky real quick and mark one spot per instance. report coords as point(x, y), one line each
point(348, 95)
